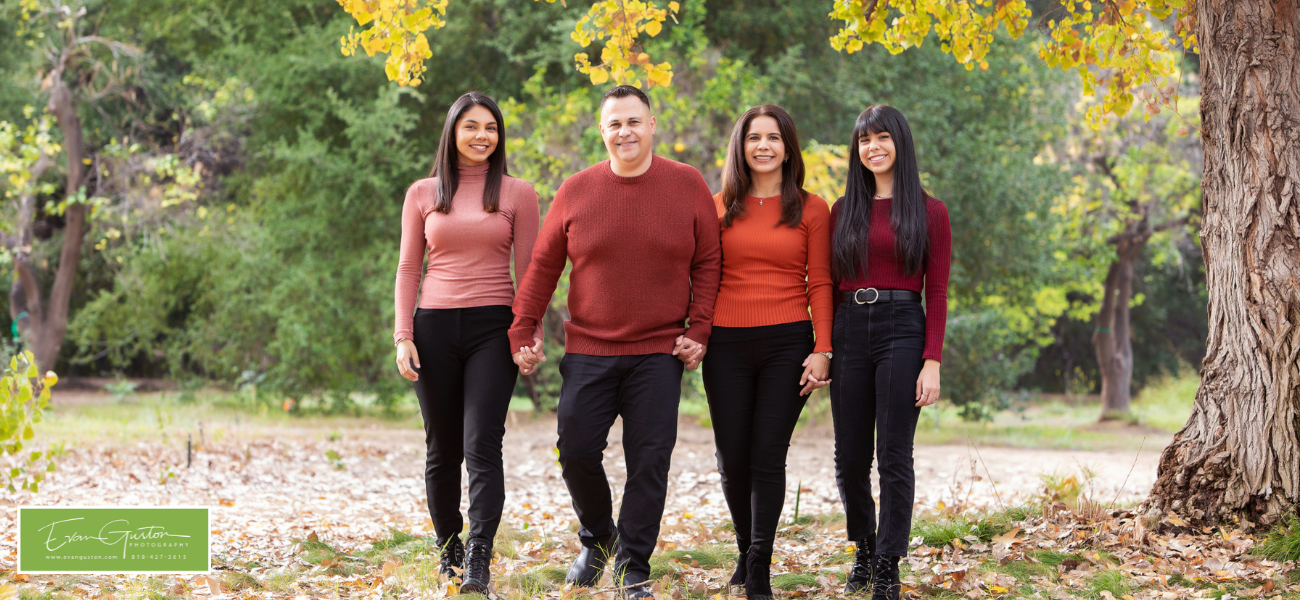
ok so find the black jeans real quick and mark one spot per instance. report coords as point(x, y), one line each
point(466, 379)
point(645, 390)
point(878, 350)
point(751, 376)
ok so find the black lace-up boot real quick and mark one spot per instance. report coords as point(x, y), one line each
point(478, 558)
point(886, 585)
point(863, 571)
point(452, 556)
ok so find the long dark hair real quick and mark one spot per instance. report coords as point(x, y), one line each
point(446, 162)
point(736, 176)
point(907, 216)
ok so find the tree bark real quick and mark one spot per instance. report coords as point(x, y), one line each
point(1239, 454)
point(1112, 340)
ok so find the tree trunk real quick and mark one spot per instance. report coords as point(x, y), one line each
point(1239, 454)
point(45, 325)
point(1112, 340)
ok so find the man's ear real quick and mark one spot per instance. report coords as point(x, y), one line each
point(652, 125)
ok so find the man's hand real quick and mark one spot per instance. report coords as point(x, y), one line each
point(528, 358)
point(689, 351)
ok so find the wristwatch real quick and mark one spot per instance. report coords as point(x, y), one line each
point(826, 354)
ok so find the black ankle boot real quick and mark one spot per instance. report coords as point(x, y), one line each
point(863, 571)
point(886, 586)
point(478, 558)
point(590, 564)
point(742, 568)
point(452, 556)
point(758, 580)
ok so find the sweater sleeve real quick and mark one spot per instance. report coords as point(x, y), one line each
point(937, 266)
point(821, 292)
point(706, 265)
point(526, 217)
point(410, 262)
point(544, 268)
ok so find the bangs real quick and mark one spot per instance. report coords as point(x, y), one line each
point(874, 120)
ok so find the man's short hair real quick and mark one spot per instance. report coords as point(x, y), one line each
point(623, 91)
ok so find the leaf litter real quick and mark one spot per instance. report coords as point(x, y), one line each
point(302, 514)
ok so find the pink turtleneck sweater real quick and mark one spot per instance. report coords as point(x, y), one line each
point(468, 249)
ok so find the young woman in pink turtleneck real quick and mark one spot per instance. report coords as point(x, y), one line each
point(466, 219)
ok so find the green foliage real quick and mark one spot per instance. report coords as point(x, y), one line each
point(271, 273)
point(982, 361)
point(26, 395)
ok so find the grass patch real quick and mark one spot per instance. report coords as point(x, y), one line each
point(1023, 570)
point(279, 580)
point(1109, 580)
point(534, 583)
point(709, 557)
point(241, 581)
point(791, 581)
point(1166, 403)
point(1052, 558)
point(983, 527)
point(1283, 540)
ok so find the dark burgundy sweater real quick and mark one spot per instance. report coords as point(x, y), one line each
point(645, 258)
point(885, 271)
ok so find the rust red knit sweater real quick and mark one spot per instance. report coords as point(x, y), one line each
point(645, 259)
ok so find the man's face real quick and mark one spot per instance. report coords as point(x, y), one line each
point(628, 129)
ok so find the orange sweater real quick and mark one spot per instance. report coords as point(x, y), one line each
point(772, 274)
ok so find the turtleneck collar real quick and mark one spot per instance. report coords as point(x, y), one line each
point(479, 172)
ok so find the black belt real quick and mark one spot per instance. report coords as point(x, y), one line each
point(873, 295)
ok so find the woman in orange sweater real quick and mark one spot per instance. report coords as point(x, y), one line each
point(762, 358)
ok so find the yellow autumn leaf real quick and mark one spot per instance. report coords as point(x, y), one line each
point(599, 76)
point(653, 28)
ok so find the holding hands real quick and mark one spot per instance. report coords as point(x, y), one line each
point(816, 373)
point(528, 358)
point(689, 351)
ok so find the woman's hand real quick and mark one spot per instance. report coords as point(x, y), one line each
point(927, 385)
point(406, 354)
point(816, 373)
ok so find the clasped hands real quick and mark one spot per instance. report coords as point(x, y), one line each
point(685, 349)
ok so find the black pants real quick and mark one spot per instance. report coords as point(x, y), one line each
point(644, 390)
point(466, 379)
point(751, 376)
point(877, 361)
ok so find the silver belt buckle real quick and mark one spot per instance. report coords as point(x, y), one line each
point(871, 301)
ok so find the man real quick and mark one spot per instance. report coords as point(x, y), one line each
point(642, 233)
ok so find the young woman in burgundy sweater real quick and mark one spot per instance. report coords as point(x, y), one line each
point(466, 218)
point(889, 242)
point(763, 357)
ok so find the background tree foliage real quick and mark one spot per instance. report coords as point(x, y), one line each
point(275, 267)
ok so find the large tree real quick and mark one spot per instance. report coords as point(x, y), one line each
point(1239, 454)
